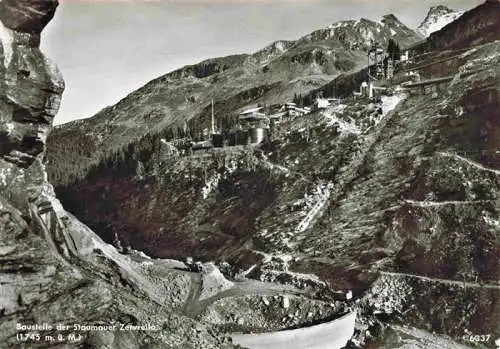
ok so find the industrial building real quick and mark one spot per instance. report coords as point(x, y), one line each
point(252, 127)
point(287, 111)
point(255, 123)
point(321, 103)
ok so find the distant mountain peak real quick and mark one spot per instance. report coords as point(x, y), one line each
point(358, 34)
point(438, 17)
point(390, 17)
point(440, 9)
point(390, 20)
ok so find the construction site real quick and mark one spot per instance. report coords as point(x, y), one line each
point(386, 73)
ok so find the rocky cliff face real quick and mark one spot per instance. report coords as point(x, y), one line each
point(53, 269)
point(31, 84)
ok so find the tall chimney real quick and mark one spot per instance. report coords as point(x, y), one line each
point(213, 118)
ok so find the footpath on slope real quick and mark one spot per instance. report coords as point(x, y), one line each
point(443, 281)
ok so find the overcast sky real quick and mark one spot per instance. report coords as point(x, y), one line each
point(108, 48)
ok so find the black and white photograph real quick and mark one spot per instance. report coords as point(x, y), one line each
point(249, 174)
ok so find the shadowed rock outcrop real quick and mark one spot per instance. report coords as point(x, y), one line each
point(30, 84)
point(27, 16)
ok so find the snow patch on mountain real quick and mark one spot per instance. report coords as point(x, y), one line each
point(437, 18)
point(356, 34)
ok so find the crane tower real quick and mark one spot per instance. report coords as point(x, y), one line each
point(376, 55)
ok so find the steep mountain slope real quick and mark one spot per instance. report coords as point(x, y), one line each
point(416, 193)
point(476, 26)
point(437, 18)
point(273, 74)
point(396, 200)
